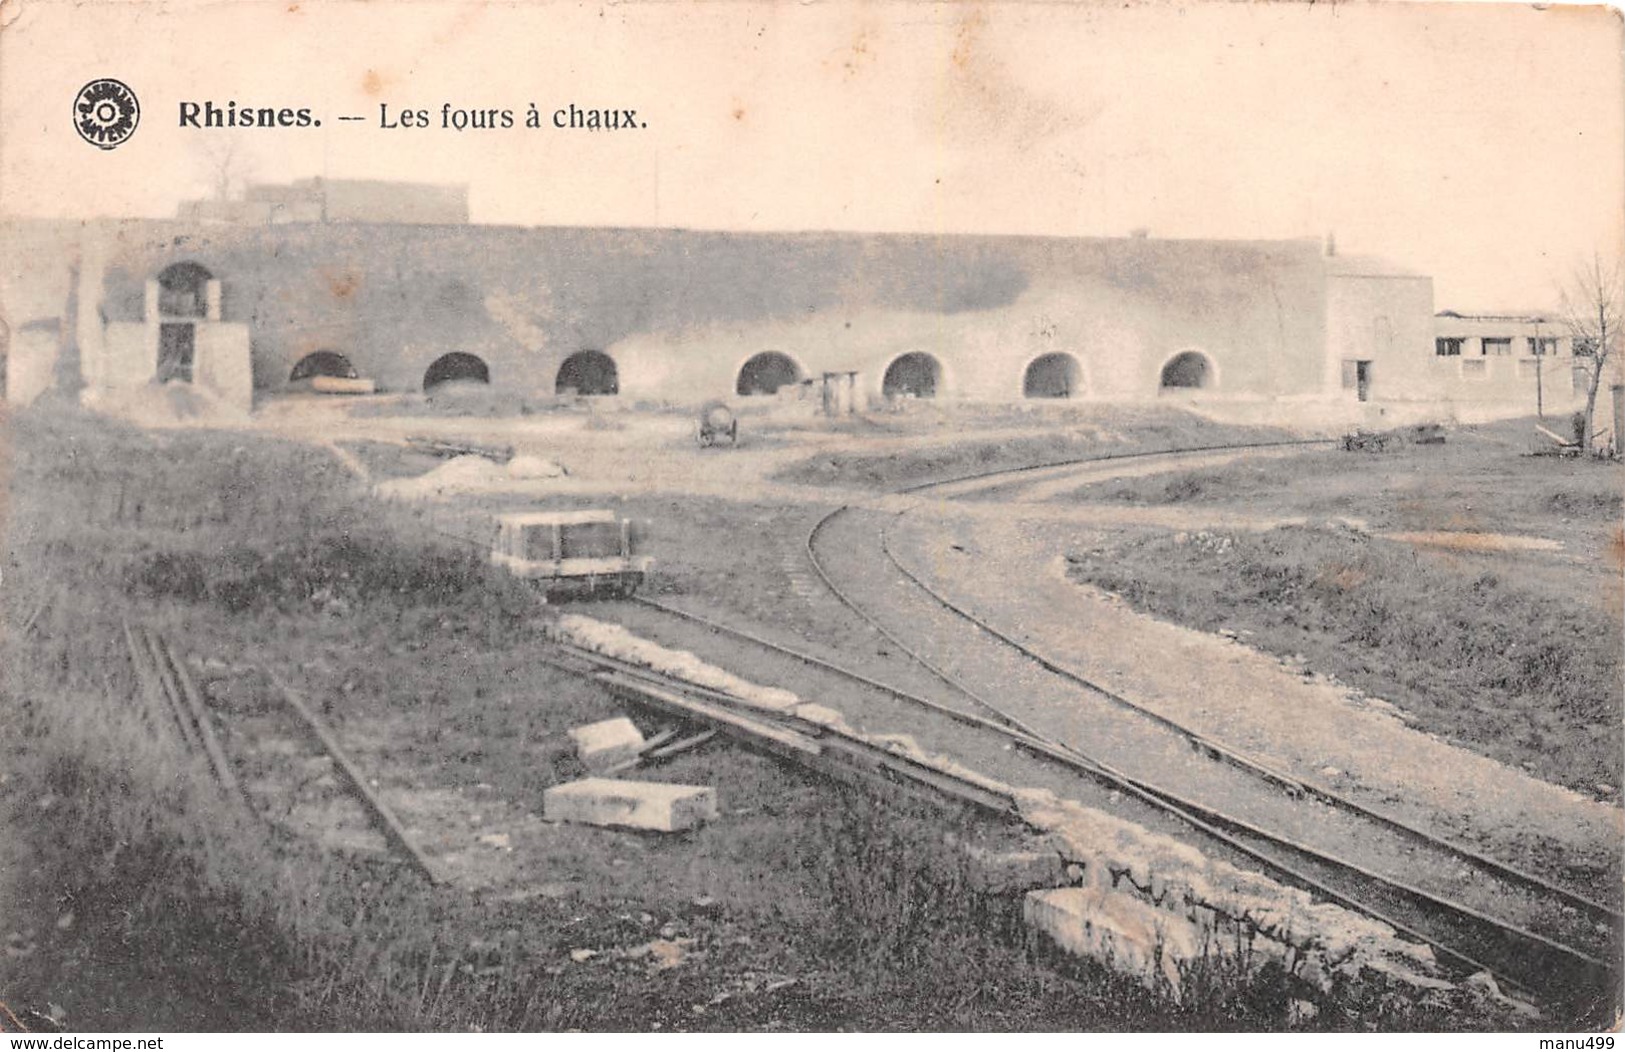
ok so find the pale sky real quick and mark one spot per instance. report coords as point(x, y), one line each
point(1480, 143)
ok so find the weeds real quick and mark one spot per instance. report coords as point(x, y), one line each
point(323, 566)
point(1478, 481)
point(189, 912)
point(1527, 676)
point(1104, 431)
point(193, 913)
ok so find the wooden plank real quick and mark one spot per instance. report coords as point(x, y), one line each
point(1555, 437)
point(847, 759)
point(657, 740)
point(451, 447)
point(382, 817)
point(645, 674)
point(914, 775)
point(343, 385)
point(693, 741)
point(739, 724)
point(194, 702)
point(651, 748)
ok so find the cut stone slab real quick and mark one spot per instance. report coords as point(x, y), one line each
point(1014, 872)
point(659, 806)
point(607, 744)
point(1123, 933)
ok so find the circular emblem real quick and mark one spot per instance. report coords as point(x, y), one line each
point(105, 112)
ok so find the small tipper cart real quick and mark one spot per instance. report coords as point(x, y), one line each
point(580, 553)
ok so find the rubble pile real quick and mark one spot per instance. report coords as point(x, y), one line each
point(470, 473)
point(457, 475)
point(1209, 902)
point(614, 641)
point(1137, 900)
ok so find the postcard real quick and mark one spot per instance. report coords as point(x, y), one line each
point(856, 515)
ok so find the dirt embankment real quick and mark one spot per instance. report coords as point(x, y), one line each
point(955, 451)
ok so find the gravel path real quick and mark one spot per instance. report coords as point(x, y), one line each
point(1045, 484)
point(1125, 741)
point(1011, 573)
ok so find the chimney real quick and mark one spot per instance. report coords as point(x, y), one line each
point(1331, 243)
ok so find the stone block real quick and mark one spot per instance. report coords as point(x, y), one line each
point(659, 806)
point(1010, 872)
point(607, 744)
point(1119, 931)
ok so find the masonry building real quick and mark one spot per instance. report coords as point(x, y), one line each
point(370, 280)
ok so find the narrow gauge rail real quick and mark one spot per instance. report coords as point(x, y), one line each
point(1466, 939)
point(1598, 912)
point(1523, 961)
point(1297, 786)
point(1529, 959)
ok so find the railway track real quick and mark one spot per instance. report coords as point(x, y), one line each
point(1295, 785)
point(954, 485)
point(1467, 939)
point(1474, 910)
point(1551, 943)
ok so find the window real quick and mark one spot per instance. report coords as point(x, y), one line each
point(1475, 369)
point(1447, 347)
point(1496, 346)
point(1541, 346)
point(183, 290)
point(1582, 380)
point(1585, 346)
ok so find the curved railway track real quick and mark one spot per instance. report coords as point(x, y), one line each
point(1293, 784)
point(1463, 937)
point(1562, 947)
point(1564, 955)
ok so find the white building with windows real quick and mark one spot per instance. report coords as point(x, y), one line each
point(1526, 360)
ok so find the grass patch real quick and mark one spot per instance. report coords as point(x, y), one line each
point(147, 900)
point(1082, 433)
point(1479, 480)
point(1526, 675)
point(330, 567)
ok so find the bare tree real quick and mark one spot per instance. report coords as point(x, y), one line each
point(1592, 300)
point(226, 162)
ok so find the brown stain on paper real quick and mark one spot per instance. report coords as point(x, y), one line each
point(342, 285)
point(965, 38)
point(860, 53)
point(983, 97)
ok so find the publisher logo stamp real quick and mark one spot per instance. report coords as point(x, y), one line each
point(105, 112)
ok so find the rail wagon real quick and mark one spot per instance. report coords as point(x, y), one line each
point(717, 424)
point(571, 553)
